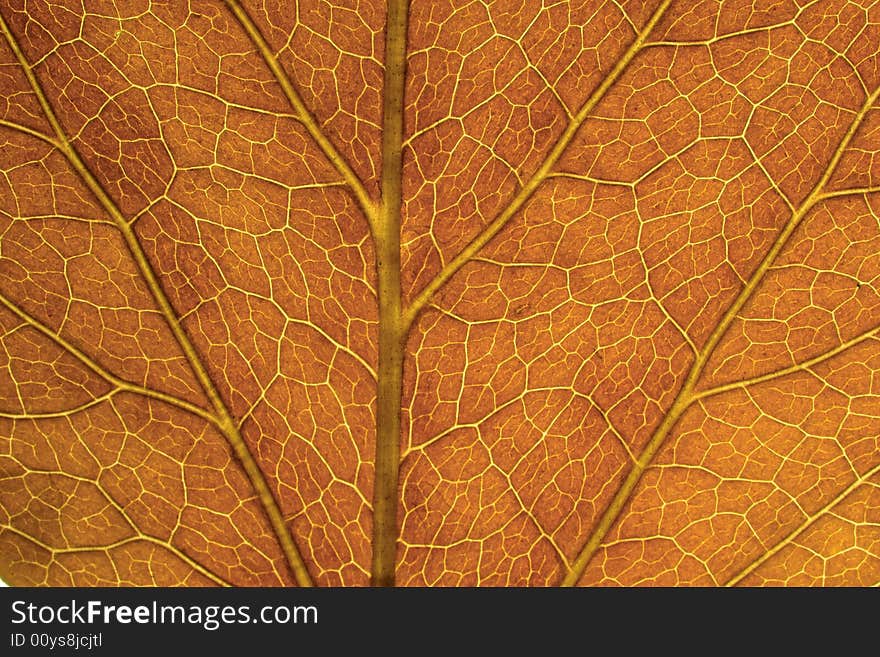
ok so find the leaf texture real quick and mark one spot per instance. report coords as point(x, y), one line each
point(440, 293)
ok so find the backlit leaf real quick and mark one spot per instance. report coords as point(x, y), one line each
point(440, 293)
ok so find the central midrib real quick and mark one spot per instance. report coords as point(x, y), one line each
point(394, 320)
point(392, 333)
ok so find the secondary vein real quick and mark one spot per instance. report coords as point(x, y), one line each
point(119, 385)
point(686, 395)
point(800, 529)
point(538, 177)
point(224, 418)
point(352, 181)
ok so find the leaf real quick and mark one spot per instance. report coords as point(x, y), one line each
point(501, 294)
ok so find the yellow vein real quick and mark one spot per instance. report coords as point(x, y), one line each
point(538, 177)
point(60, 215)
point(18, 127)
point(109, 377)
point(797, 367)
point(527, 512)
point(121, 511)
point(305, 117)
point(850, 192)
point(795, 220)
point(685, 396)
point(613, 429)
point(223, 420)
point(189, 561)
point(766, 29)
point(806, 524)
point(67, 412)
point(591, 179)
point(345, 349)
point(739, 33)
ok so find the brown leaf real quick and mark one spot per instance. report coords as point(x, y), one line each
point(440, 293)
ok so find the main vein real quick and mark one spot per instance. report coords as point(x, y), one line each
point(392, 331)
point(224, 419)
point(686, 395)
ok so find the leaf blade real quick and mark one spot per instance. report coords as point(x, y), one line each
point(698, 259)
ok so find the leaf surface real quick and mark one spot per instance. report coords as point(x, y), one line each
point(440, 293)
